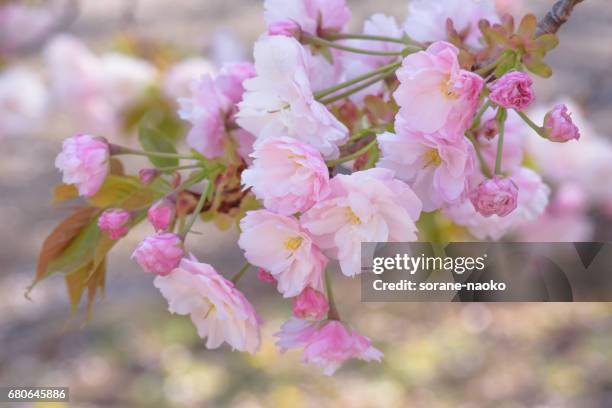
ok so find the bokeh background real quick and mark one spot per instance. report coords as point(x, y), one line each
point(133, 353)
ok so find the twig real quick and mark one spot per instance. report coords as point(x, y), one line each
point(556, 17)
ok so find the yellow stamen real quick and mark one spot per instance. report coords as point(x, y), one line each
point(293, 243)
point(352, 217)
point(448, 89)
point(432, 158)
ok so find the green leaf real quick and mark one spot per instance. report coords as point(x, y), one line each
point(537, 66)
point(509, 63)
point(115, 190)
point(546, 42)
point(152, 140)
point(528, 26)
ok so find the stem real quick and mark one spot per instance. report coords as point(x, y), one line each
point(196, 213)
point(353, 156)
point(484, 70)
point(333, 310)
point(173, 168)
point(478, 117)
point(324, 43)
point(240, 273)
point(357, 88)
point(529, 122)
point(560, 13)
point(346, 36)
point(361, 134)
point(117, 150)
point(483, 164)
point(501, 124)
point(342, 85)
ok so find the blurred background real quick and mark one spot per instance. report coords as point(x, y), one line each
point(133, 353)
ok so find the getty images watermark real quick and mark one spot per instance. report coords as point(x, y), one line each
point(412, 264)
point(486, 272)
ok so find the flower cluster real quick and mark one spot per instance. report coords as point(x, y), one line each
point(328, 140)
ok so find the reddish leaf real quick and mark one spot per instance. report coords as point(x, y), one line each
point(60, 238)
point(96, 281)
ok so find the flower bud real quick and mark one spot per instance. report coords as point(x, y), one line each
point(84, 161)
point(495, 196)
point(159, 253)
point(146, 176)
point(513, 91)
point(161, 214)
point(115, 222)
point(310, 304)
point(558, 125)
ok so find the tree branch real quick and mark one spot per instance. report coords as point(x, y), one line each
point(556, 17)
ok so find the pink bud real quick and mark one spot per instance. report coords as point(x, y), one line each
point(159, 253)
point(146, 176)
point(495, 196)
point(161, 214)
point(512, 91)
point(115, 222)
point(265, 276)
point(310, 304)
point(559, 126)
point(84, 162)
point(287, 28)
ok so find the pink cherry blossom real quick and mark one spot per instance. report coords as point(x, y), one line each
point(265, 276)
point(84, 161)
point(206, 111)
point(287, 175)
point(23, 102)
point(230, 79)
point(559, 126)
point(437, 169)
point(495, 196)
point(310, 304)
point(161, 214)
point(366, 206)
point(244, 141)
point(532, 200)
point(513, 91)
point(354, 65)
point(312, 16)
point(434, 92)
point(327, 345)
point(220, 312)
point(279, 100)
point(278, 244)
point(426, 19)
point(115, 222)
point(159, 253)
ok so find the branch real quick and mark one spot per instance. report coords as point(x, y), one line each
point(555, 18)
